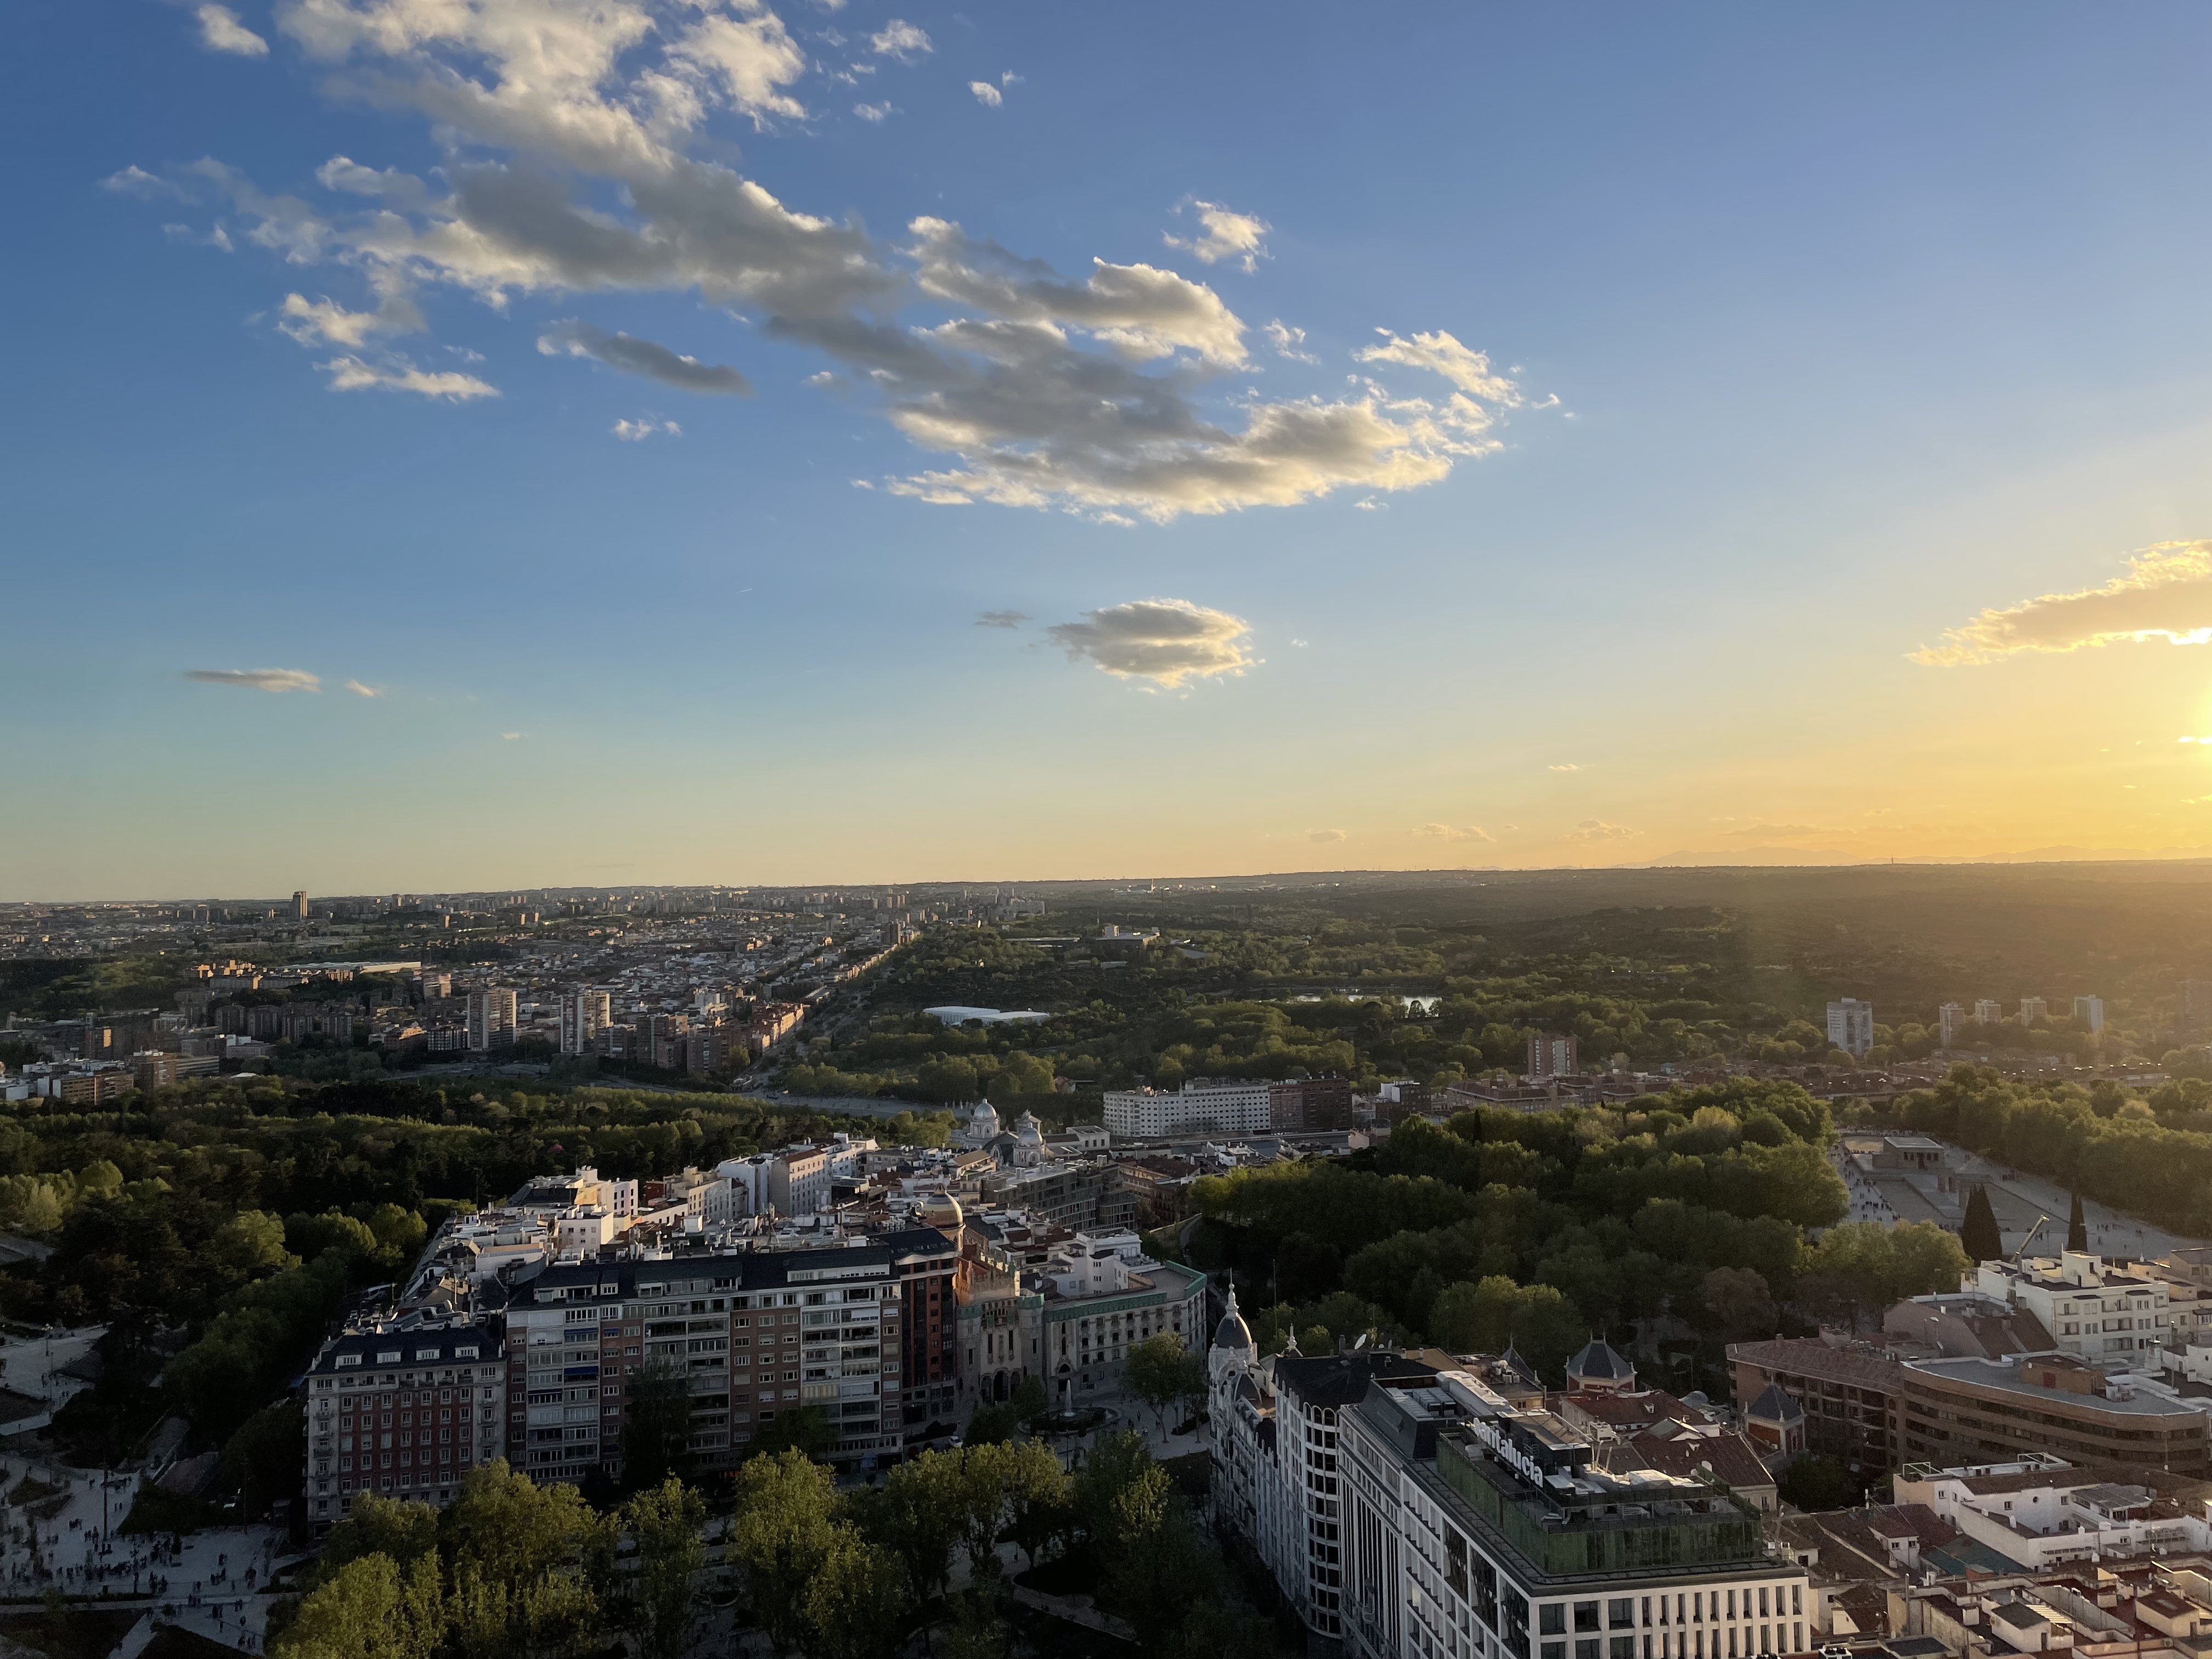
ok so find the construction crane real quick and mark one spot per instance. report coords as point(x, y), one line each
point(2023, 1244)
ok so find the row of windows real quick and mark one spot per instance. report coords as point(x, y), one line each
point(1743, 1641)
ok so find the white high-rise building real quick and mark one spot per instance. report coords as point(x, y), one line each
point(1988, 1010)
point(584, 1015)
point(2031, 1009)
point(491, 1017)
point(1851, 1026)
point(2089, 1012)
point(1952, 1018)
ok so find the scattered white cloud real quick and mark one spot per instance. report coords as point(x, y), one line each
point(1370, 504)
point(511, 737)
point(986, 95)
point(1323, 837)
point(1599, 830)
point(1288, 342)
point(745, 61)
point(1000, 619)
point(221, 31)
point(324, 322)
point(258, 679)
point(876, 113)
point(579, 161)
point(1468, 369)
point(2166, 594)
point(637, 431)
point(1451, 832)
point(352, 374)
point(635, 356)
point(1565, 766)
point(362, 690)
point(900, 40)
point(1301, 644)
point(1226, 235)
point(1166, 641)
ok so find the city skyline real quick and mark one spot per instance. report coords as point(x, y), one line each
point(520, 444)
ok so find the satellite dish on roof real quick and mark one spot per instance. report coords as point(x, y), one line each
point(1362, 1343)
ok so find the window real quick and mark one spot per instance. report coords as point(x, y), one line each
point(1585, 1615)
point(1620, 1613)
point(1552, 1619)
point(1622, 1647)
point(1587, 1647)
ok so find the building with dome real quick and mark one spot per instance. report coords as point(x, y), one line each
point(981, 1128)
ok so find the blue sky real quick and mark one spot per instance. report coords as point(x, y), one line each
point(1788, 343)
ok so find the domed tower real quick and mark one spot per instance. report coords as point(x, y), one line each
point(1231, 1353)
point(1029, 1141)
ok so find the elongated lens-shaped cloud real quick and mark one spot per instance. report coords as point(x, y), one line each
point(1166, 641)
point(258, 679)
point(2165, 595)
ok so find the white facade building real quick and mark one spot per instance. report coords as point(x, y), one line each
point(491, 1016)
point(2109, 1318)
point(1230, 1106)
point(1851, 1026)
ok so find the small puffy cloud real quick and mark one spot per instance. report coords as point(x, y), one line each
point(1227, 235)
point(986, 95)
point(637, 431)
point(1001, 618)
point(1451, 832)
point(746, 61)
point(1464, 366)
point(258, 679)
point(1323, 837)
point(362, 690)
point(1599, 830)
point(876, 114)
point(632, 356)
point(1564, 766)
point(221, 31)
point(511, 737)
point(1288, 342)
point(325, 322)
point(900, 40)
point(352, 374)
point(1166, 641)
point(2166, 594)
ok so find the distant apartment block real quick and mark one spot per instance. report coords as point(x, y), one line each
point(1550, 1055)
point(584, 1015)
point(1850, 1027)
point(2031, 1009)
point(2089, 1013)
point(491, 1017)
point(1988, 1012)
point(1951, 1023)
point(1216, 1105)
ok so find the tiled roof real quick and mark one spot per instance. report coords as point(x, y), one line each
point(1805, 1356)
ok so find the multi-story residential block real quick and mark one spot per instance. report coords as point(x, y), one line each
point(1988, 1012)
point(1102, 1295)
point(1084, 1196)
point(1848, 1397)
point(1974, 1411)
point(584, 1015)
point(1214, 1105)
point(1474, 1525)
point(404, 1411)
point(2089, 1013)
point(744, 1336)
point(1851, 1026)
point(2034, 1008)
point(1551, 1054)
point(926, 1264)
point(1314, 1103)
point(490, 1018)
point(1950, 1021)
point(2106, 1315)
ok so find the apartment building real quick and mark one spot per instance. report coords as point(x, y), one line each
point(748, 1335)
point(1960, 1411)
point(1475, 1527)
point(1214, 1105)
point(2103, 1315)
point(584, 1015)
point(1849, 1396)
point(927, 1263)
point(404, 1411)
point(1102, 1295)
point(1551, 1054)
point(491, 1017)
